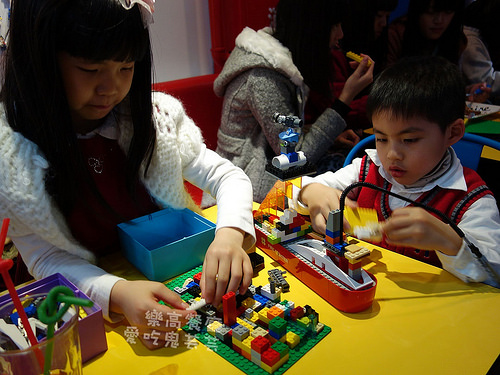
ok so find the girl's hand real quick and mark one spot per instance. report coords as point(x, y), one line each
point(321, 199)
point(358, 80)
point(415, 227)
point(227, 266)
point(138, 302)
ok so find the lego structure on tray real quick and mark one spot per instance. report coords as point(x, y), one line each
point(332, 267)
point(257, 332)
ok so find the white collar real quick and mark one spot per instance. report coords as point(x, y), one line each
point(109, 129)
point(452, 179)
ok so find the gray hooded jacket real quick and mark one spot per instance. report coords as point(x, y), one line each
point(258, 80)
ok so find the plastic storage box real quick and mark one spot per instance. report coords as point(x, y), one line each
point(90, 328)
point(166, 243)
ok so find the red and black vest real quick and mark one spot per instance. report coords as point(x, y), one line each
point(453, 203)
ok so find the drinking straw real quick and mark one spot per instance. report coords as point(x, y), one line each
point(5, 266)
point(48, 313)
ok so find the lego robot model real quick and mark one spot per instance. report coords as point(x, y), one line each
point(288, 140)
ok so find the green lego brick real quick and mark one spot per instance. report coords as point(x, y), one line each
point(277, 325)
point(281, 348)
point(273, 240)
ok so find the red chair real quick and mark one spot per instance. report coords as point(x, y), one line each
point(229, 17)
point(202, 105)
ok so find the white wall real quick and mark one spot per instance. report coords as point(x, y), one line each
point(180, 36)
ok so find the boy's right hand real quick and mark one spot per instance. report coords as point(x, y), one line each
point(136, 300)
point(320, 200)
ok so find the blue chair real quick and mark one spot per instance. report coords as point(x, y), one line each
point(468, 149)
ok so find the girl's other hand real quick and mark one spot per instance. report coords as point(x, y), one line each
point(227, 266)
point(139, 301)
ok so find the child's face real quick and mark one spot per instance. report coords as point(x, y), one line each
point(93, 88)
point(336, 34)
point(409, 148)
point(433, 24)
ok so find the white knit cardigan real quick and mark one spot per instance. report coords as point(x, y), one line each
point(32, 211)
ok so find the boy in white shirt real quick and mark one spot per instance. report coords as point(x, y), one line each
point(417, 110)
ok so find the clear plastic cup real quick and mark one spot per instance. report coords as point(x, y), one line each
point(66, 353)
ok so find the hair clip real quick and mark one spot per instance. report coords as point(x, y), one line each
point(147, 8)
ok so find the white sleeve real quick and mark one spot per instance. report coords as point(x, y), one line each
point(481, 226)
point(337, 180)
point(229, 185)
point(43, 259)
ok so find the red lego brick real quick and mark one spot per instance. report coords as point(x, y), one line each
point(270, 357)
point(260, 344)
point(229, 308)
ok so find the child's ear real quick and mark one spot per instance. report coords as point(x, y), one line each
point(455, 131)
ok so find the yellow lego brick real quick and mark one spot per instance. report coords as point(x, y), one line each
point(276, 366)
point(254, 318)
point(212, 327)
point(360, 216)
point(246, 344)
point(356, 57)
point(248, 303)
point(292, 339)
point(263, 315)
point(244, 324)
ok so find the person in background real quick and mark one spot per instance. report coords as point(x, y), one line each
point(86, 145)
point(365, 29)
point(365, 33)
point(430, 28)
point(272, 71)
point(480, 60)
point(416, 106)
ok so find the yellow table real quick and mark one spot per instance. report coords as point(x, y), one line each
point(423, 321)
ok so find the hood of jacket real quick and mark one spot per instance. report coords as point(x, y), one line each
point(257, 49)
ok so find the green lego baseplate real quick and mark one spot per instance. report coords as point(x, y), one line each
point(308, 337)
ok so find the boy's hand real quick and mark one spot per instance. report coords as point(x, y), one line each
point(321, 199)
point(227, 266)
point(138, 302)
point(415, 227)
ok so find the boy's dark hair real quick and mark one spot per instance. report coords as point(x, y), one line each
point(428, 87)
point(304, 26)
point(33, 91)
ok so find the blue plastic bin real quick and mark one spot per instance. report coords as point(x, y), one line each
point(166, 243)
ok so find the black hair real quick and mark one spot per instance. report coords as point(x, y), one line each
point(428, 87)
point(453, 40)
point(359, 35)
point(304, 27)
point(33, 91)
